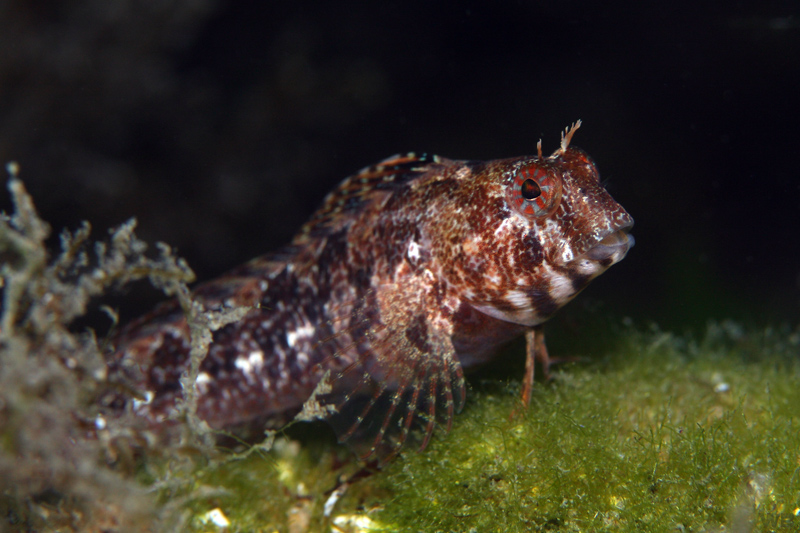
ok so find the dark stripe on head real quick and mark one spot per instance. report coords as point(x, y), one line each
point(606, 262)
point(543, 303)
point(579, 281)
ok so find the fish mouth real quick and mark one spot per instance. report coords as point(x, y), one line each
point(614, 245)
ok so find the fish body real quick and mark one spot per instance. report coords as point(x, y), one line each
point(412, 271)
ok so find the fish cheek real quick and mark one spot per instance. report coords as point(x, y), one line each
point(530, 252)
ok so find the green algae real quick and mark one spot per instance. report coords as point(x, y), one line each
point(662, 436)
point(663, 433)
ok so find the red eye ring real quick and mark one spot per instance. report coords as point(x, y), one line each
point(534, 192)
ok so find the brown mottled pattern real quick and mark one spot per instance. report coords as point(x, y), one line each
point(412, 270)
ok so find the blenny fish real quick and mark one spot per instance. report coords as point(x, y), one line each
point(412, 271)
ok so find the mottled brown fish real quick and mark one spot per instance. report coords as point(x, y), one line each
point(413, 270)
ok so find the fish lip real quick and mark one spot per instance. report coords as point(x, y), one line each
point(614, 243)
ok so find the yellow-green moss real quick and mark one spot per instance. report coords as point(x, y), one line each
point(662, 434)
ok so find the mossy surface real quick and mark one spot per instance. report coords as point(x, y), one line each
point(663, 433)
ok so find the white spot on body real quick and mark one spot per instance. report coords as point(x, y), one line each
point(251, 364)
point(304, 331)
point(413, 251)
point(148, 397)
point(567, 254)
point(561, 288)
point(518, 299)
point(202, 381)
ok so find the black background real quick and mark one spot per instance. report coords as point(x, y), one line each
point(221, 125)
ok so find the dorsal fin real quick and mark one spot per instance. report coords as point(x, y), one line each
point(352, 194)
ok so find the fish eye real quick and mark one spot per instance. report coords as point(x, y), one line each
point(530, 189)
point(534, 191)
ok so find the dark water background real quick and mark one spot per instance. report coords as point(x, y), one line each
point(221, 125)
